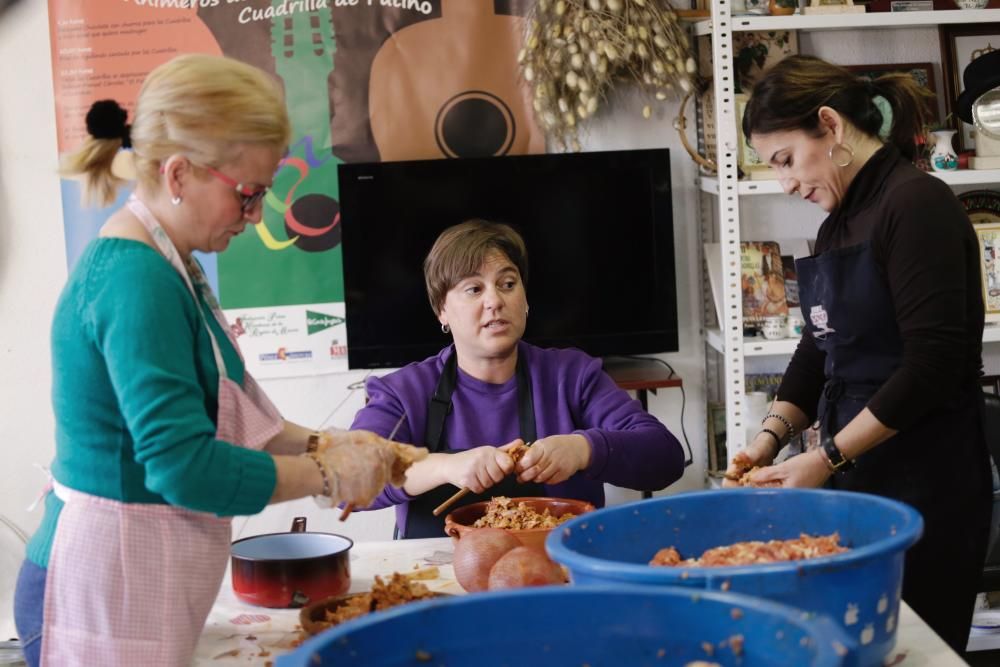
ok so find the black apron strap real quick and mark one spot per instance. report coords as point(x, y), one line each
point(439, 406)
point(420, 520)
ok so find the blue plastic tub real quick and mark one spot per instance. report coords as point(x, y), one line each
point(580, 625)
point(859, 589)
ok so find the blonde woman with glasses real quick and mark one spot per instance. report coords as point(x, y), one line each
point(161, 434)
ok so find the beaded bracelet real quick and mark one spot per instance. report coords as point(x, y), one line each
point(784, 420)
point(312, 442)
point(324, 473)
point(774, 435)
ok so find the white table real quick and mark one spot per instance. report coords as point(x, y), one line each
point(239, 634)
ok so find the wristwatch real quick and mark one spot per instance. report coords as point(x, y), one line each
point(837, 461)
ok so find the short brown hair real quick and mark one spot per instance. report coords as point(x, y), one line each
point(789, 95)
point(460, 250)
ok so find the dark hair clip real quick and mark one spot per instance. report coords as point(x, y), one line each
point(106, 120)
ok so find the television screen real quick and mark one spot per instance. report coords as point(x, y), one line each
point(598, 228)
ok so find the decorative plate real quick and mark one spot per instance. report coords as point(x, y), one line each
point(986, 619)
point(981, 205)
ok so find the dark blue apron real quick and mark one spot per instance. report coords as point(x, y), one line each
point(420, 520)
point(938, 465)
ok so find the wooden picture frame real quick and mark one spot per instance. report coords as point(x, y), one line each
point(922, 73)
point(988, 236)
point(959, 42)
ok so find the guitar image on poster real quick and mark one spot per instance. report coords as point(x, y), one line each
point(422, 106)
point(300, 232)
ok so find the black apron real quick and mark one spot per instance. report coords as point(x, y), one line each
point(420, 520)
point(939, 465)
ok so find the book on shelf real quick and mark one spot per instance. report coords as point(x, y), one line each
point(713, 267)
point(767, 383)
point(791, 282)
point(762, 281)
point(792, 249)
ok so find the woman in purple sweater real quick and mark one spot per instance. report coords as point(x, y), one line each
point(490, 391)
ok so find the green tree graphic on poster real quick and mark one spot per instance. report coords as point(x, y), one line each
point(294, 256)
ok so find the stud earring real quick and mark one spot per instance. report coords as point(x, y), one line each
point(445, 328)
point(176, 200)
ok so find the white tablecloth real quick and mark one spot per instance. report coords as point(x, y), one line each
point(239, 634)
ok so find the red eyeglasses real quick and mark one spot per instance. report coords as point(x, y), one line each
point(248, 195)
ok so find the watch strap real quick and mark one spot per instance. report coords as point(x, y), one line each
point(838, 462)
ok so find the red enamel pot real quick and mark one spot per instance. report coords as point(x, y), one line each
point(290, 570)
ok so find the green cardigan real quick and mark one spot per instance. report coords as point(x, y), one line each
point(135, 390)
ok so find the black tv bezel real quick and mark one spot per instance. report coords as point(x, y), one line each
point(663, 340)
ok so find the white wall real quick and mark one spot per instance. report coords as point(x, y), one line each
point(33, 269)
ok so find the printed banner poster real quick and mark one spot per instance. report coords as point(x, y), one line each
point(364, 80)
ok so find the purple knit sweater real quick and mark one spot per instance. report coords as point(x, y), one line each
point(571, 394)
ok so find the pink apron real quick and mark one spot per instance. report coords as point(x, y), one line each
point(131, 584)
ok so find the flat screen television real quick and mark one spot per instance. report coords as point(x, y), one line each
point(598, 228)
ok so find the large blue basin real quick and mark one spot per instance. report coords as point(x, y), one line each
point(859, 589)
point(577, 625)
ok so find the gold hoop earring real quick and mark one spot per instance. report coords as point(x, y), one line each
point(846, 148)
point(445, 328)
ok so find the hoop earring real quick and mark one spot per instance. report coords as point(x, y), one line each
point(845, 147)
point(445, 328)
point(176, 200)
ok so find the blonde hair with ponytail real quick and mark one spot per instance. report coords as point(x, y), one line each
point(200, 106)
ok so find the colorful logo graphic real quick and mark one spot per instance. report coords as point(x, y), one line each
point(285, 355)
point(316, 322)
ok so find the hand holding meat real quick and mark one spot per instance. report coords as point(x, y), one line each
point(361, 463)
point(480, 468)
point(759, 453)
point(554, 459)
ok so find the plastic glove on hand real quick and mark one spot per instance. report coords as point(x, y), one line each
point(361, 463)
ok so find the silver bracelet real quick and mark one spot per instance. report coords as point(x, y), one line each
point(783, 420)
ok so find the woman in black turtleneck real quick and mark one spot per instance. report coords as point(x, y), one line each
point(891, 353)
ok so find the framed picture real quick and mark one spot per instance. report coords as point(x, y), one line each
point(988, 235)
point(922, 73)
point(960, 45)
point(755, 51)
point(746, 157)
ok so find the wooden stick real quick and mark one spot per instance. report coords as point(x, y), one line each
point(464, 491)
point(451, 501)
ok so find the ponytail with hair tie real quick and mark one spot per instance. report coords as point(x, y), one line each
point(106, 120)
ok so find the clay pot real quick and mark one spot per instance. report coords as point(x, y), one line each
point(459, 522)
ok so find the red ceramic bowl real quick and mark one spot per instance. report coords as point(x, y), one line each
point(459, 522)
point(290, 570)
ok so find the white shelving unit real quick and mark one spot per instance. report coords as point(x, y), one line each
point(726, 190)
point(761, 347)
point(875, 20)
point(710, 184)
